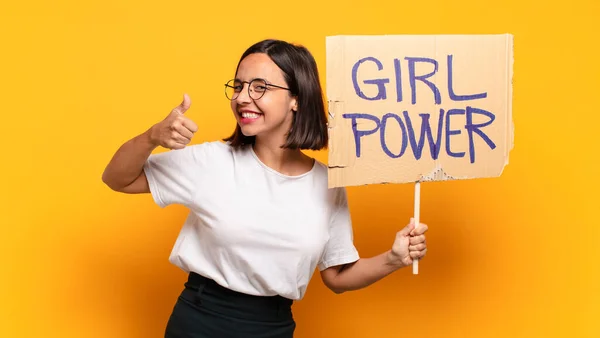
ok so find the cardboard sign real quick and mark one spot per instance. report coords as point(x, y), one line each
point(418, 108)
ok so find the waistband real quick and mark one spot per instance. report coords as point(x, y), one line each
point(207, 293)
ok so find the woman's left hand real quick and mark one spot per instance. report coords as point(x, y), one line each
point(410, 244)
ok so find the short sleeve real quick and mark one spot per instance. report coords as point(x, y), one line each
point(340, 248)
point(173, 176)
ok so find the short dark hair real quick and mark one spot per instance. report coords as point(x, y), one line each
point(309, 125)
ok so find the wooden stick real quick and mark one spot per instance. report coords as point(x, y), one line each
point(416, 220)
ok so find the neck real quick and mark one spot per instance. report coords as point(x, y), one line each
point(286, 161)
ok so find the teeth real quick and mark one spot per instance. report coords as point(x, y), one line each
point(249, 115)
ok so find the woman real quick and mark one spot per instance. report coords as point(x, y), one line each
point(261, 216)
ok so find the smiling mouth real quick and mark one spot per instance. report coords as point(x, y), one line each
point(249, 115)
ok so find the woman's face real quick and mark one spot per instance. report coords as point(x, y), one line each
point(271, 114)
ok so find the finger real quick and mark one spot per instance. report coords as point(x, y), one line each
point(417, 247)
point(417, 254)
point(183, 131)
point(184, 105)
point(421, 229)
point(175, 145)
point(407, 229)
point(417, 239)
point(190, 125)
point(176, 137)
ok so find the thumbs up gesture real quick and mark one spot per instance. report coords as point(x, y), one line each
point(176, 130)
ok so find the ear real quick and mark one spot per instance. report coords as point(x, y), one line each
point(294, 104)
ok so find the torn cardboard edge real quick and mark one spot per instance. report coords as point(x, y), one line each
point(345, 169)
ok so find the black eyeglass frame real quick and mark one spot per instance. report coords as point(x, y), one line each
point(267, 84)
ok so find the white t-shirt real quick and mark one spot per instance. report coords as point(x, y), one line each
point(250, 228)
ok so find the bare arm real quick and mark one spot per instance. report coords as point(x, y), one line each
point(124, 172)
point(409, 244)
point(359, 274)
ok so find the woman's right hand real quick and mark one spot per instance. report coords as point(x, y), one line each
point(176, 130)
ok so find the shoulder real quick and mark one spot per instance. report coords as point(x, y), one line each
point(213, 149)
point(320, 168)
point(321, 172)
point(204, 153)
point(214, 146)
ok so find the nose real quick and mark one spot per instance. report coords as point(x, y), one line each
point(244, 95)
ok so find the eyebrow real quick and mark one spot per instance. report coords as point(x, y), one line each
point(256, 78)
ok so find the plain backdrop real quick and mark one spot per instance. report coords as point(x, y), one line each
point(514, 256)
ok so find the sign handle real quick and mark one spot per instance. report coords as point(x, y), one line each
point(416, 220)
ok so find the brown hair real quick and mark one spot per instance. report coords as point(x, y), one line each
point(309, 125)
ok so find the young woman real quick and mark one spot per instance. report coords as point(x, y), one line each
point(261, 219)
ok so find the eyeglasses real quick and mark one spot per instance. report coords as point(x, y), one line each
point(256, 88)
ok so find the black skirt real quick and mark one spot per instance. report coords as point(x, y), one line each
point(207, 310)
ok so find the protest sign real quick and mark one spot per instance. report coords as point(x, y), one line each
point(418, 108)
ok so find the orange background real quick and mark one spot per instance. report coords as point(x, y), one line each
point(515, 256)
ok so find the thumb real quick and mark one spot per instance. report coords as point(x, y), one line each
point(184, 105)
point(407, 229)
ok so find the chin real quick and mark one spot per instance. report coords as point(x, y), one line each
point(248, 130)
